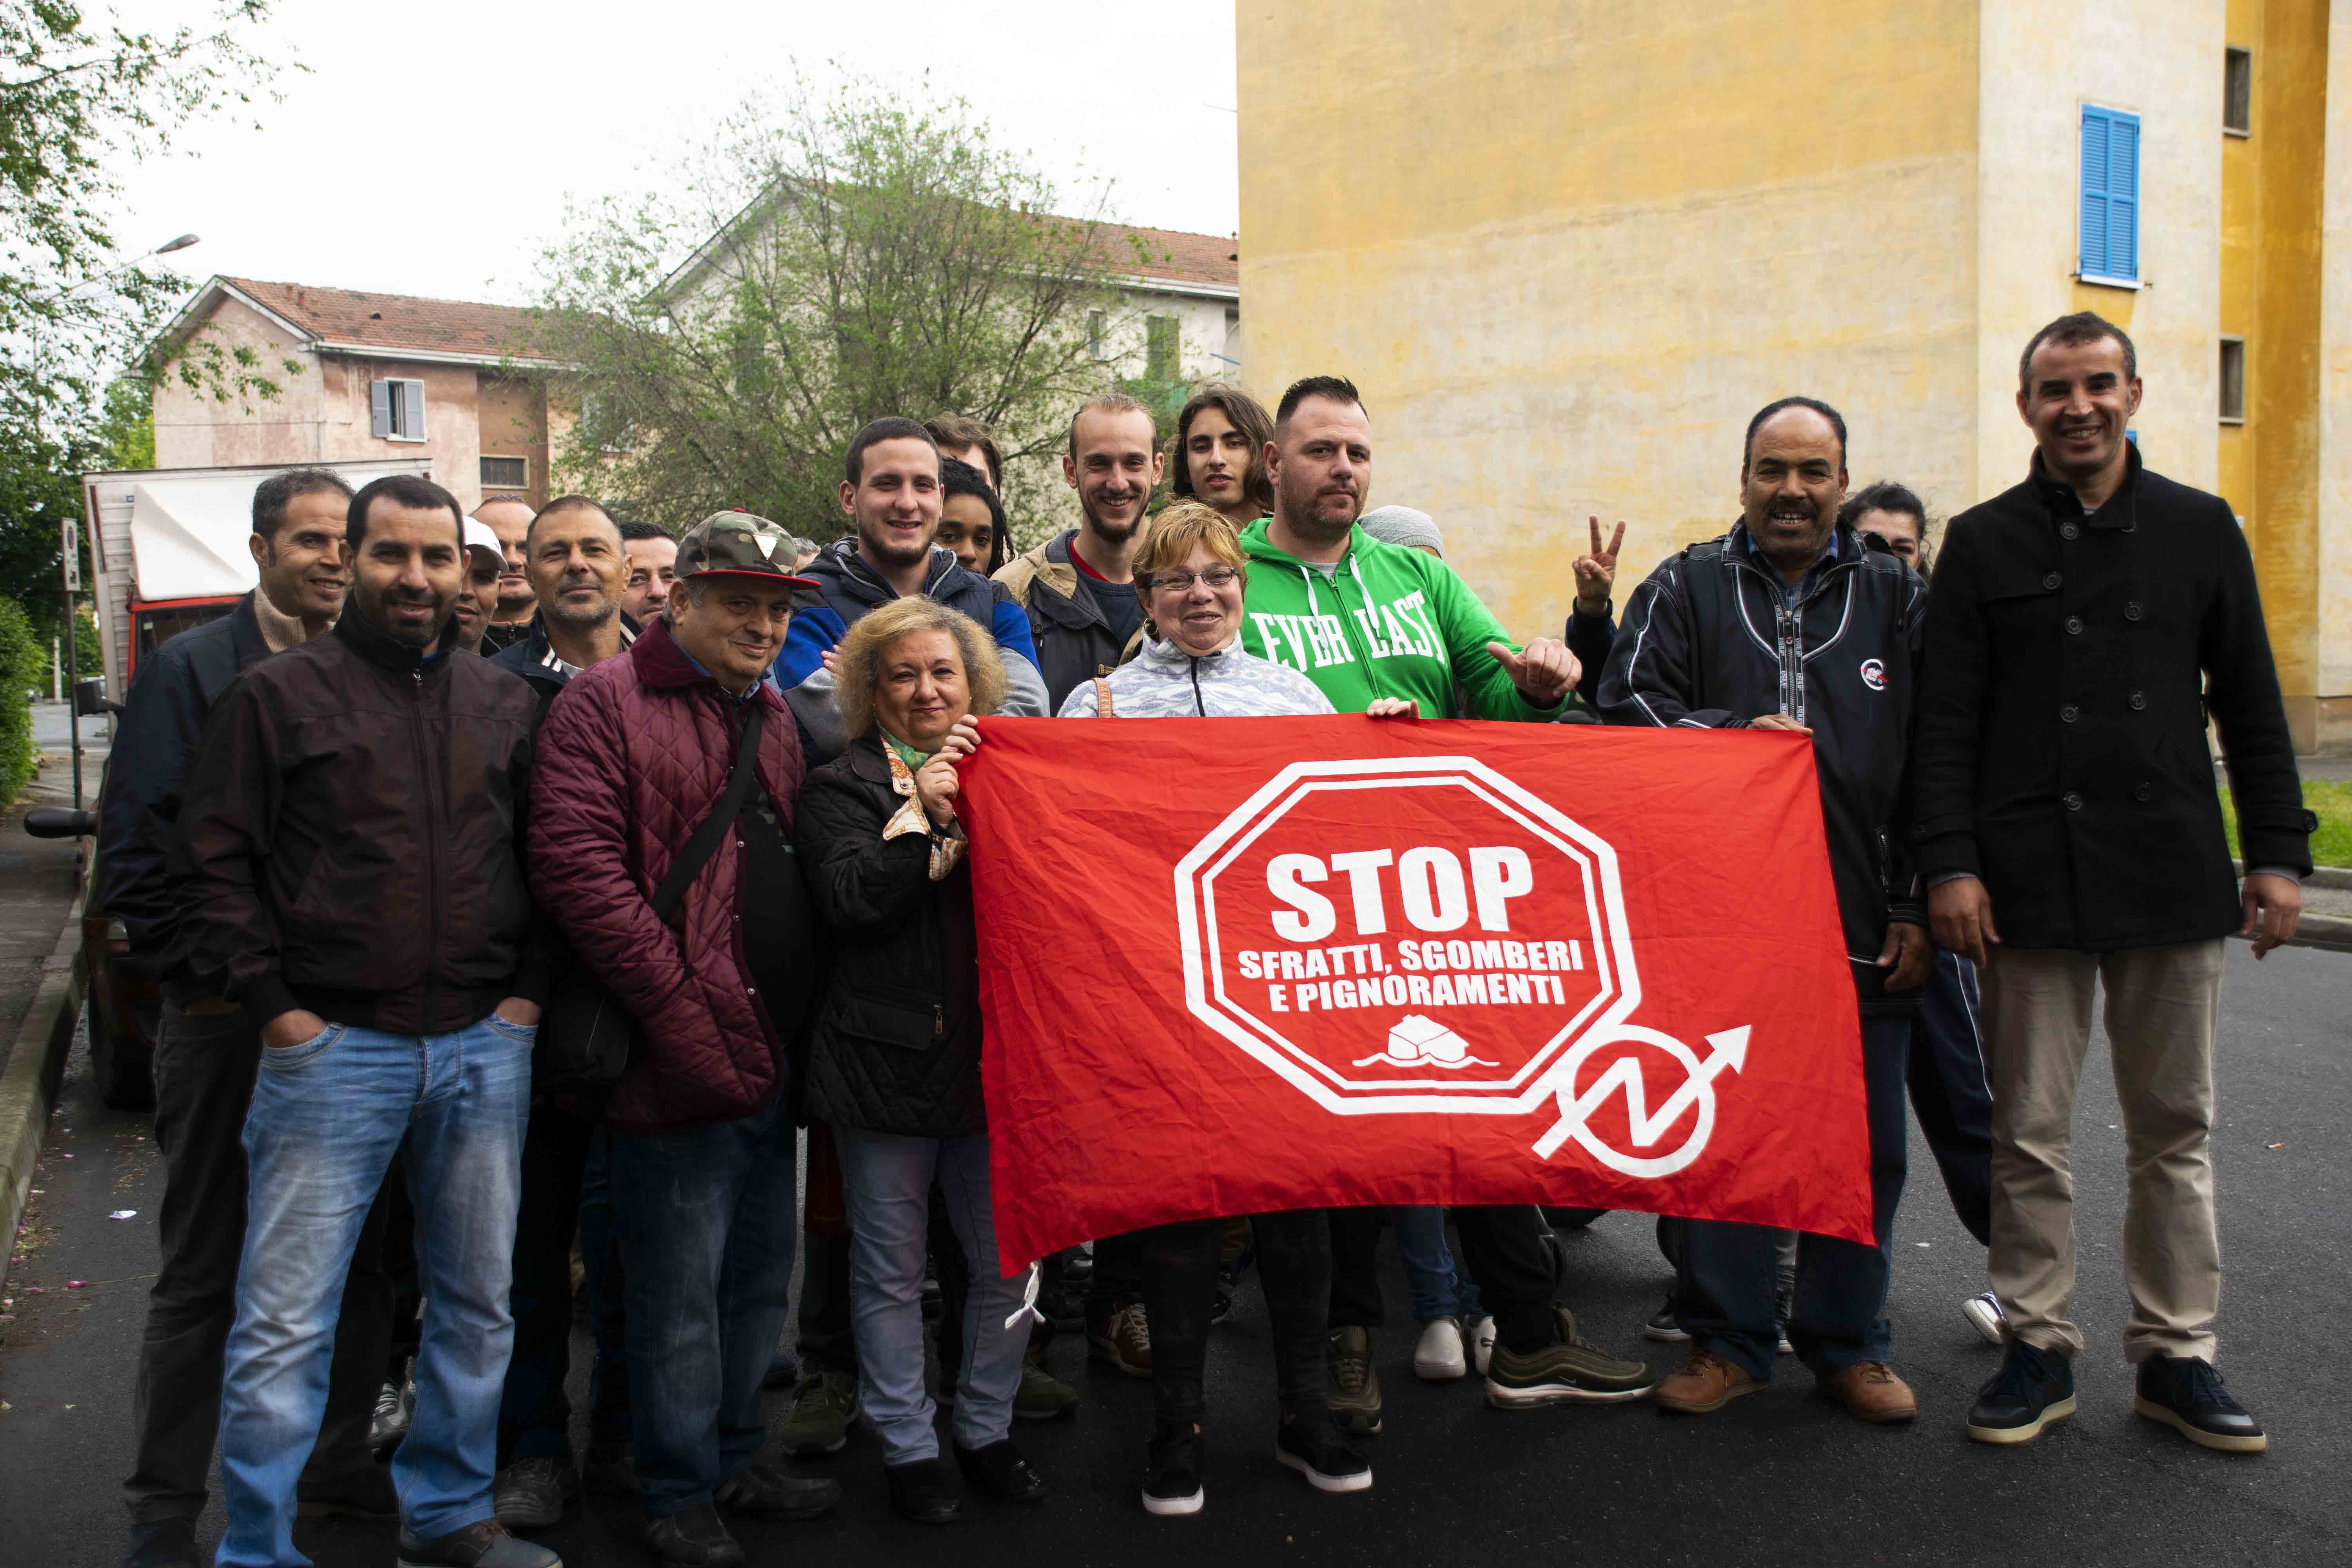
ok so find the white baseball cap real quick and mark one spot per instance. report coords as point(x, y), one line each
point(479, 537)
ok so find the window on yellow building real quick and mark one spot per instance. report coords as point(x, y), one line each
point(2238, 92)
point(2233, 380)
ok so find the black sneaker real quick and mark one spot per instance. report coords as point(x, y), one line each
point(1316, 1450)
point(166, 1544)
point(766, 1493)
point(1662, 1327)
point(1000, 1467)
point(1571, 1370)
point(695, 1539)
point(531, 1494)
point(1784, 1306)
point(2032, 1388)
point(922, 1491)
point(2186, 1396)
point(1171, 1474)
point(484, 1543)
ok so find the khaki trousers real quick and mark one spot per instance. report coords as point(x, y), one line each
point(2163, 1006)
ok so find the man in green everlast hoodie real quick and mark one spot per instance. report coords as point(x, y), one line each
point(1362, 620)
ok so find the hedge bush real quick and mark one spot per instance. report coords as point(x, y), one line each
point(21, 662)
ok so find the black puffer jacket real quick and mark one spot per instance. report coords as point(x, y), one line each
point(1705, 644)
point(895, 1043)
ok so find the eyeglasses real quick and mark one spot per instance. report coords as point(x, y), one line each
point(1181, 581)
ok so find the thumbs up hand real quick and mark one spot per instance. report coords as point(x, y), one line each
point(1545, 672)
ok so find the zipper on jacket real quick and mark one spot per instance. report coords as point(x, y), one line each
point(1788, 629)
point(1198, 701)
point(431, 858)
point(938, 1021)
point(1339, 602)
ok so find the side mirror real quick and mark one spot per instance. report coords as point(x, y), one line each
point(90, 697)
point(59, 822)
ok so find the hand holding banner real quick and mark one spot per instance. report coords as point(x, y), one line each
point(1233, 965)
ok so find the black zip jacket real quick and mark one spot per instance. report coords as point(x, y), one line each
point(348, 840)
point(1706, 643)
point(893, 1045)
point(162, 718)
point(2062, 752)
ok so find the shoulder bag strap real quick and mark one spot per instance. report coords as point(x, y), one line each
point(1102, 698)
point(713, 827)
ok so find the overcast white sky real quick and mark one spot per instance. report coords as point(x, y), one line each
point(483, 115)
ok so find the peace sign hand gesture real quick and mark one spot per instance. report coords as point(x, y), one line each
point(1596, 573)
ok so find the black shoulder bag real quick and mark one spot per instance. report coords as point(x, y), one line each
point(587, 1038)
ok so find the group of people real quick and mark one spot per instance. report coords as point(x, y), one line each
point(696, 818)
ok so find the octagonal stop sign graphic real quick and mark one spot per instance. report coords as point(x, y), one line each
point(1450, 959)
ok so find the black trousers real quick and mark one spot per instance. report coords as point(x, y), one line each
point(1118, 1278)
point(534, 1415)
point(204, 1067)
point(1951, 1088)
point(1502, 1247)
point(821, 1336)
point(1179, 1289)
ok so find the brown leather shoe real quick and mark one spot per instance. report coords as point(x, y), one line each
point(1873, 1392)
point(1705, 1382)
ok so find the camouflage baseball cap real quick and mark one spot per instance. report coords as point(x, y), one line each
point(741, 544)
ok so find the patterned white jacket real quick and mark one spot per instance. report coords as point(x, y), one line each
point(1163, 681)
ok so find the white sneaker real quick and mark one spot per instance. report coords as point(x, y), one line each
point(1438, 1357)
point(1984, 1315)
point(1481, 1344)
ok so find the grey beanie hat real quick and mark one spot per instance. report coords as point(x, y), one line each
point(1402, 525)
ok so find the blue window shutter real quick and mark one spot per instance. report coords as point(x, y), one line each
point(2092, 258)
point(413, 406)
point(2123, 196)
point(380, 409)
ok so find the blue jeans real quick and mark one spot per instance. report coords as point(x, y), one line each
point(887, 1182)
point(1723, 1297)
point(1429, 1276)
point(600, 1250)
point(705, 1220)
point(326, 1119)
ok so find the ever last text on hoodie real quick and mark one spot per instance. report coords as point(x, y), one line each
point(1386, 622)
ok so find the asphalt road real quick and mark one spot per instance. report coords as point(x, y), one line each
point(1782, 1477)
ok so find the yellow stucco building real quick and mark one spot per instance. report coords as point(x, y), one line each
point(1567, 250)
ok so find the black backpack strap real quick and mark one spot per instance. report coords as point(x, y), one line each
point(713, 827)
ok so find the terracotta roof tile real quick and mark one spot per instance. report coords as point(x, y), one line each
point(395, 321)
point(1173, 254)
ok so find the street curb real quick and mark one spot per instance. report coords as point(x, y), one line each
point(2331, 931)
point(28, 1083)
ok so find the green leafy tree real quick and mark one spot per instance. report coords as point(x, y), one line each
point(809, 268)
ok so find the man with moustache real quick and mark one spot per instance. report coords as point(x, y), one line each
point(652, 556)
point(1078, 588)
point(469, 614)
point(396, 1001)
point(207, 1052)
point(509, 517)
point(891, 492)
point(1365, 620)
point(1844, 619)
point(2086, 624)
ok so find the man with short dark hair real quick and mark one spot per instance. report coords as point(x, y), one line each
point(1078, 588)
point(1726, 636)
point(335, 789)
point(2084, 625)
point(641, 754)
point(963, 440)
point(652, 556)
point(207, 1052)
point(1895, 515)
point(1365, 620)
point(509, 517)
point(891, 494)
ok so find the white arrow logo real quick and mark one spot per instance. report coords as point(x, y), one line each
point(1645, 1127)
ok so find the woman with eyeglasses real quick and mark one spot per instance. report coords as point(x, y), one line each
point(1190, 573)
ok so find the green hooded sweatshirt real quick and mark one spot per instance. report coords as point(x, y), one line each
point(1390, 622)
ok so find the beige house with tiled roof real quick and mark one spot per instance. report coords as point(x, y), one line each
point(379, 375)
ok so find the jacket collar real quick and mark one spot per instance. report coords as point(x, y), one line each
point(2121, 509)
point(661, 664)
point(386, 652)
point(1055, 592)
point(538, 659)
point(246, 645)
point(867, 761)
point(1174, 660)
point(857, 576)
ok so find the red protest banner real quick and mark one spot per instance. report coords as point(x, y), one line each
point(1230, 966)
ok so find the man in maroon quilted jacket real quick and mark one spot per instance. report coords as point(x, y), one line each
point(634, 755)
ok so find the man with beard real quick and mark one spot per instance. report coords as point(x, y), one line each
point(574, 552)
point(509, 517)
point(396, 1001)
point(1692, 655)
point(652, 555)
point(891, 494)
point(207, 1052)
point(1078, 588)
point(477, 600)
point(1365, 620)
